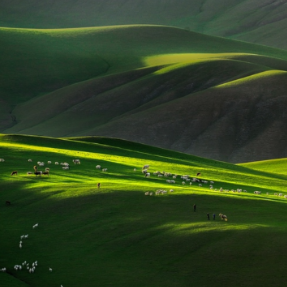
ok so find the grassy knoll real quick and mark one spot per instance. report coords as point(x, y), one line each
point(277, 166)
point(117, 236)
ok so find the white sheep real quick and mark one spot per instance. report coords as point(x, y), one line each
point(56, 163)
point(98, 166)
point(36, 225)
point(146, 193)
point(29, 160)
point(146, 166)
point(147, 174)
point(49, 162)
point(104, 169)
point(2, 160)
point(50, 269)
point(135, 169)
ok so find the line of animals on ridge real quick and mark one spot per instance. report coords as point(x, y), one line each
point(147, 174)
point(187, 178)
point(37, 172)
point(25, 264)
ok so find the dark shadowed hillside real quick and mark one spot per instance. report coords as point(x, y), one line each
point(256, 21)
point(163, 86)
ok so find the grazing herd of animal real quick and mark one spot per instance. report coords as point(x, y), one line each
point(25, 265)
point(185, 178)
point(191, 180)
point(65, 166)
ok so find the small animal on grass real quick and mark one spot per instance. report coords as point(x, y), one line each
point(46, 172)
point(8, 202)
point(14, 172)
point(223, 216)
point(198, 174)
point(99, 185)
point(38, 173)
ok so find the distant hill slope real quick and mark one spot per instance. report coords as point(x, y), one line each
point(164, 86)
point(254, 21)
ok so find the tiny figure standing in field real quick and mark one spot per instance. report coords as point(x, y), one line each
point(99, 185)
point(208, 216)
point(194, 207)
point(213, 216)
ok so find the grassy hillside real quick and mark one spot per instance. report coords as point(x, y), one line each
point(115, 235)
point(256, 21)
point(277, 166)
point(39, 61)
point(152, 84)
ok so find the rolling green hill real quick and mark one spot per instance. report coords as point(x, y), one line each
point(153, 84)
point(256, 21)
point(118, 236)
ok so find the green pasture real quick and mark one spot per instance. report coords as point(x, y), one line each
point(118, 236)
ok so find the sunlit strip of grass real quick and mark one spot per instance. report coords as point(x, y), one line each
point(128, 161)
point(189, 57)
point(257, 76)
point(71, 189)
point(199, 227)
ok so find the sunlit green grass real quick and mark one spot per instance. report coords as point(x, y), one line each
point(117, 236)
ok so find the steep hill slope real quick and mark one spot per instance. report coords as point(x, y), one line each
point(116, 236)
point(254, 21)
point(158, 85)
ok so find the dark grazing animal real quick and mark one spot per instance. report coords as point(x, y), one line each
point(38, 173)
point(198, 174)
point(8, 202)
point(14, 172)
point(45, 172)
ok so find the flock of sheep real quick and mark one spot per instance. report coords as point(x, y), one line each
point(191, 180)
point(26, 265)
